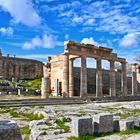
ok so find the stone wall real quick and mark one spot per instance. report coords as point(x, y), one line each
point(18, 68)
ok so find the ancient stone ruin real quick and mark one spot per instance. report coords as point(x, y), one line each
point(13, 68)
point(60, 74)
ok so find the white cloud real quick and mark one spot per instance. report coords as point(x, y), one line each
point(89, 41)
point(22, 11)
point(6, 31)
point(129, 40)
point(66, 36)
point(47, 41)
point(120, 18)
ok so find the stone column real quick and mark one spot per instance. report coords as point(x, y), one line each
point(123, 79)
point(83, 80)
point(99, 91)
point(134, 80)
point(65, 86)
point(112, 79)
point(71, 78)
point(45, 88)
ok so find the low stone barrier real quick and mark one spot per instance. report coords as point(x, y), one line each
point(101, 123)
point(9, 130)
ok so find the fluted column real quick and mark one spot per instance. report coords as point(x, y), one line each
point(83, 80)
point(71, 78)
point(124, 80)
point(134, 80)
point(65, 86)
point(112, 79)
point(99, 91)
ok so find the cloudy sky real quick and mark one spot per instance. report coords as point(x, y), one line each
point(38, 28)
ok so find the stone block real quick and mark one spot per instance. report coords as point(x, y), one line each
point(82, 126)
point(136, 120)
point(126, 125)
point(103, 123)
point(116, 126)
point(9, 130)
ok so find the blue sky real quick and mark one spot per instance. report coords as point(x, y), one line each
point(38, 28)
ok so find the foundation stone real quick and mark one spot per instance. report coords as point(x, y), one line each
point(103, 123)
point(82, 126)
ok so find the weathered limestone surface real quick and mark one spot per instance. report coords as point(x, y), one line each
point(82, 126)
point(9, 130)
point(103, 123)
point(126, 124)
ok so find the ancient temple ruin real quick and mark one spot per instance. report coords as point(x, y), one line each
point(59, 71)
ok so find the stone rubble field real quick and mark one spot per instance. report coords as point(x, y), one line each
point(56, 122)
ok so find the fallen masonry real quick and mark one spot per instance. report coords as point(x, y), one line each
point(100, 124)
point(9, 130)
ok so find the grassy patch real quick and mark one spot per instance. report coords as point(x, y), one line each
point(25, 131)
point(61, 125)
point(14, 114)
point(32, 84)
point(28, 117)
point(32, 116)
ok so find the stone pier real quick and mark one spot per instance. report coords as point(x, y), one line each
point(65, 86)
point(99, 91)
point(134, 79)
point(83, 82)
point(71, 78)
point(112, 89)
point(45, 88)
point(123, 79)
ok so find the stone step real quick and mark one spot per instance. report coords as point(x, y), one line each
point(40, 103)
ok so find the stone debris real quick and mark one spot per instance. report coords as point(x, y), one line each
point(9, 130)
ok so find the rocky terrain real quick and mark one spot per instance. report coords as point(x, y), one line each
point(54, 122)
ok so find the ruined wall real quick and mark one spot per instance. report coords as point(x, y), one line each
point(19, 68)
point(56, 70)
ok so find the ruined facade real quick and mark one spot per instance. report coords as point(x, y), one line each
point(64, 79)
point(19, 68)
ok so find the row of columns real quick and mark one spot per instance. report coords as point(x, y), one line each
point(68, 78)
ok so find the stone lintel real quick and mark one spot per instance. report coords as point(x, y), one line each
point(121, 60)
point(69, 44)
